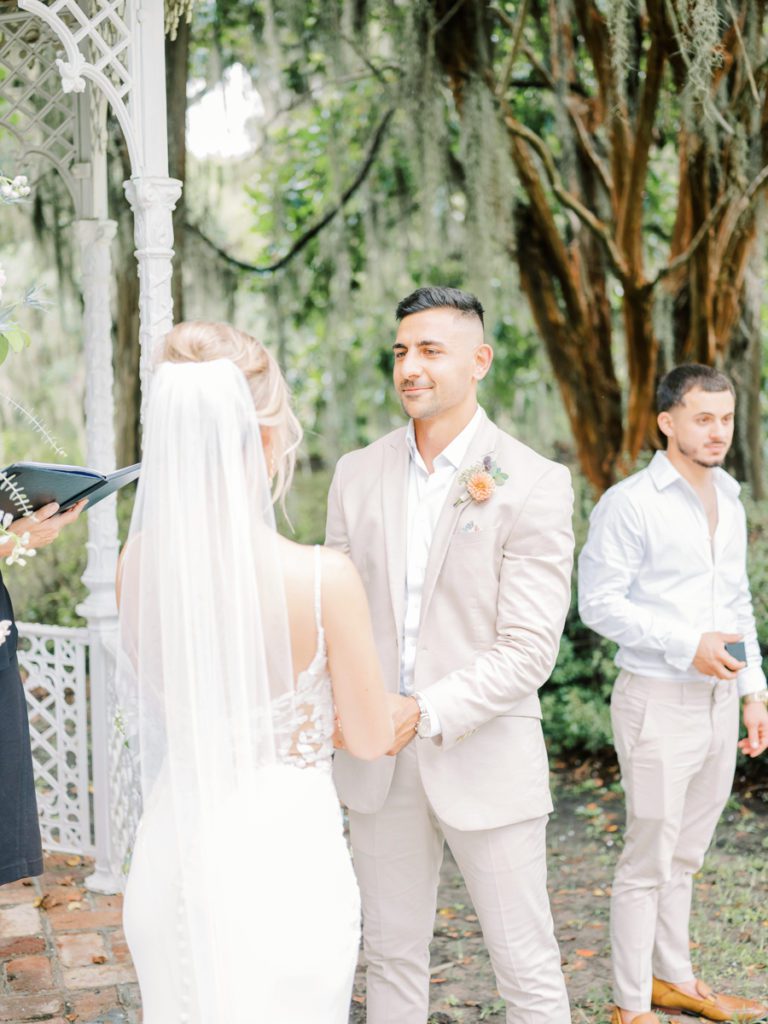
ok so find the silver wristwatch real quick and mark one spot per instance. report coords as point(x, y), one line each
point(423, 726)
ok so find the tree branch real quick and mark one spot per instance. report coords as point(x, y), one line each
point(729, 229)
point(567, 198)
point(747, 65)
point(318, 226)
point(568, 102)
point(682, 258)
point(446, 18)
point(517, 38)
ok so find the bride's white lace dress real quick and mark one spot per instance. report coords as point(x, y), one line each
point(287, 914)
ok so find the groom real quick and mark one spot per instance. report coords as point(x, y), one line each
point(462, 536)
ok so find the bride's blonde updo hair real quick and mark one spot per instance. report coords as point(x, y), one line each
point(197, 341)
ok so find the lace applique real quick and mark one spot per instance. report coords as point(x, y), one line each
point(304, 720)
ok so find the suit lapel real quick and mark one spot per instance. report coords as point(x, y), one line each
point(394, 506)
point(483, 443)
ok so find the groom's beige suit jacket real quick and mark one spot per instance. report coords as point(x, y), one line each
point(496, 593)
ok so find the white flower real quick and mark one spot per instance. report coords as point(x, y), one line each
point(21, 552)
point(5, 629)
point(6, 190)
point(20, 186)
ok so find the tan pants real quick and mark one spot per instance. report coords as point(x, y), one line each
point(676, 744)
point(397, 857)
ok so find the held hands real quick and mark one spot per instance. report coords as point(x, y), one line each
point(405, 716)
point(712, 659)
point(45, 525)
point(756, 724)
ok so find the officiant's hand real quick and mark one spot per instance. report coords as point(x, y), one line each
point(405, 718)
point(45, 525)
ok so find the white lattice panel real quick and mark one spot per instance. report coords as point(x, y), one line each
point(99, 31)
point(33, 107)
point(125, 790)
point(53, 666)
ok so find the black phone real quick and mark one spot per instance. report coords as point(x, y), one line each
point(737, 650)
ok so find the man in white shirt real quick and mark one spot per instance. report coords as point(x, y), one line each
point(663, 574)
point(463, 539)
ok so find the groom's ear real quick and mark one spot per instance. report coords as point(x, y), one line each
point(483, 356)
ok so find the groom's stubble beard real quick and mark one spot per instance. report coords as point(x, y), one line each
point(421, 410)
point(693, 453)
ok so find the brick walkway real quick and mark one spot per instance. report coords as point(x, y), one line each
point(63, 957)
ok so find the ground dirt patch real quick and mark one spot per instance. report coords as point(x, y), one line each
point(729, 929)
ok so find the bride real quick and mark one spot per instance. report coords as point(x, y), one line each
point(241, 905)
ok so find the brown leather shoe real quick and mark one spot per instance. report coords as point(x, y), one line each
point(712, 1005)
point(643, 1018)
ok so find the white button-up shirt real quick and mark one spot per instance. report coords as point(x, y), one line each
point(652, 579)
point(427, 493)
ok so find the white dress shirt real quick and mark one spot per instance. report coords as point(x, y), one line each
point(652, 579)
point(427, 493)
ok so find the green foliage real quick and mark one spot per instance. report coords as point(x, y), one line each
point(576, 713)
point(574, 702)
point(306, 506)
point(48, 588)
point(757, 562)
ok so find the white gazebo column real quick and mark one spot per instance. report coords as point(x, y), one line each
point(153, 200)
point(94, 238)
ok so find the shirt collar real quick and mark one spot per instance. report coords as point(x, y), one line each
point(663, 473)
point(454, 453)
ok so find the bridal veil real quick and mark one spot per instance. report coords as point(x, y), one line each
point(205, 651)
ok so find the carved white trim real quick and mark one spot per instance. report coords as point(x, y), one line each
point(153, 201)
point(52, 660)
point(34, 111)
point(94, 238)
point(97, 47)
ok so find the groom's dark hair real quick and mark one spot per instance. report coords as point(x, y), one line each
point(433, 296)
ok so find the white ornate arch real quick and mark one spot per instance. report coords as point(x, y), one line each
point(62, 63)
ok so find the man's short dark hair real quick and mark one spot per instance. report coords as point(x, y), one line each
point(440, 297)
point(675, 385)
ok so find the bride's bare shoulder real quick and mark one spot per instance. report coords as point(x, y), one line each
point(338, 570)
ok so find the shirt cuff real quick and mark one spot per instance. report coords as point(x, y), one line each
point(435, 729)
point(681, 648)
point(749, 680)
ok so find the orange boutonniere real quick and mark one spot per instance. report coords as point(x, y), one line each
point(481, 481)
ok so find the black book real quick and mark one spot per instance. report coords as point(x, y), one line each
point(27, 486)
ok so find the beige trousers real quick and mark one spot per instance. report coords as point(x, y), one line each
point(676, 743)
point(397, 856)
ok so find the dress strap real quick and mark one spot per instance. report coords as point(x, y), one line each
point(318, 591)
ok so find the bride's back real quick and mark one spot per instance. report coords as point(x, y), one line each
point(298, 564)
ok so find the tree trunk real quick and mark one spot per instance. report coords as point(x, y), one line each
point(584, 369)
point(744, 366)
point(126, 339)
point(176, 75)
